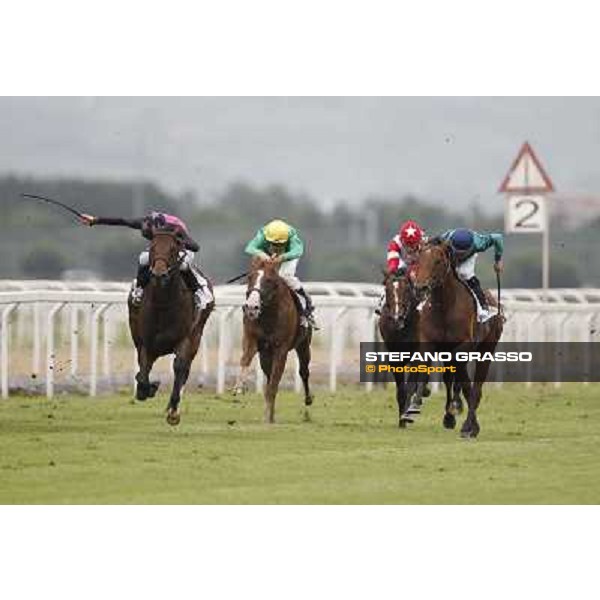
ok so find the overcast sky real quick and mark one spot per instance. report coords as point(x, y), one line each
point(450, 150)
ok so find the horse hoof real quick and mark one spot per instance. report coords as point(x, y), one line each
point(173, 417)
point(449, 421)
point(406, 419)
point(141, 392)
point(153, 389)
point(469, 434)
point(308, 400)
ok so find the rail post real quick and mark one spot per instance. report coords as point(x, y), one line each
point(50, 352)
point(8, 309)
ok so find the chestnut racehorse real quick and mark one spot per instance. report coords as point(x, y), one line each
point(449, 319)
point(272, 328)
point(166, 322)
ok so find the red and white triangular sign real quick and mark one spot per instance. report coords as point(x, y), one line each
point(526, 175)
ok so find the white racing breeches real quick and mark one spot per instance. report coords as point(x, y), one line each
point(466, 270)
point(287, 270)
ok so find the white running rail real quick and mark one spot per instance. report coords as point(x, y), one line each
point(93, 311)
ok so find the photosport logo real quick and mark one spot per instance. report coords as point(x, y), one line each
point(518, 362)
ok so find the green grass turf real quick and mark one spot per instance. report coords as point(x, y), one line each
point(539, 445)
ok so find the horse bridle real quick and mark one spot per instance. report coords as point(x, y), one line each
point(177, 264)
point(256, 287)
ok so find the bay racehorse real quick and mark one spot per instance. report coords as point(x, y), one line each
point(398, 324)
point(272, 328)
point(166, 322)
point(448, 320)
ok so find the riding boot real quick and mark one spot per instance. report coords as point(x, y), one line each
point(139, 283)
point(202, 294)
point(474, 284)
point(192, 283)
point(380, 304)
point(309, 308)
point(190, 280)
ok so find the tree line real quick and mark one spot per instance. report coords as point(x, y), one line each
point(344, 242)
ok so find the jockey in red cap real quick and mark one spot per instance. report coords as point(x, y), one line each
point(404, 248)
point(403, 252)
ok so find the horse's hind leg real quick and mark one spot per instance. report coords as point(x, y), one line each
point(303, 352)
point(144, 388)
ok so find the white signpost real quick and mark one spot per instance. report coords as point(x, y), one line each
point(526, 186)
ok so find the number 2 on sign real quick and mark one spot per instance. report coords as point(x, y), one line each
point(525, 214)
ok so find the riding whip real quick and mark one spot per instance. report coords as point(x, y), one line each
point(498, 286)
point(234, 279)
point(55, 202)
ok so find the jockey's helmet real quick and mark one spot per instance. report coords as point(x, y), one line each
point(277, 232)
point(462, 240)
point(159, 220)
point(411, 234)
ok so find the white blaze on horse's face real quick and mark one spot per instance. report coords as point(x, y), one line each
point(252, 304)
point(396, 303)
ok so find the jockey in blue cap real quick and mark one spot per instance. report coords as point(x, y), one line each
point(467, 244)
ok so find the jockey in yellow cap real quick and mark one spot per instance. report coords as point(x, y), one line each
point(280, 242)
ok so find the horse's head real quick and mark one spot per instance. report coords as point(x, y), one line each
point(262, 286)
point(165, 256)
point(399, 298)
point(435, 264)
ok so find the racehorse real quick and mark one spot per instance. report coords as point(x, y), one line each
point(272, 328)
point(449, 319)
point(166, 322)
point(398, 324)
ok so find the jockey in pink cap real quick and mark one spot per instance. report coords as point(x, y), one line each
point(156, 221)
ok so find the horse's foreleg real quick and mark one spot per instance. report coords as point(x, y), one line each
point(415, 387)
point(449, 413)
point(470, 428)
point(277, 368)
point(181, 369)
point(402, 399)
point(249, 348)
point(303, 352)
point(144, 388)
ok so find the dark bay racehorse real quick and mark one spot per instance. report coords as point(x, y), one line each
point(166, 322)
point(272, 328)
point(398, 324)
point(448, 320)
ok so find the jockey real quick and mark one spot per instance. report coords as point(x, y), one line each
point(404, 248)
point(281, 243)
point(403, 252)
point(156, 221)
point(467, 244)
